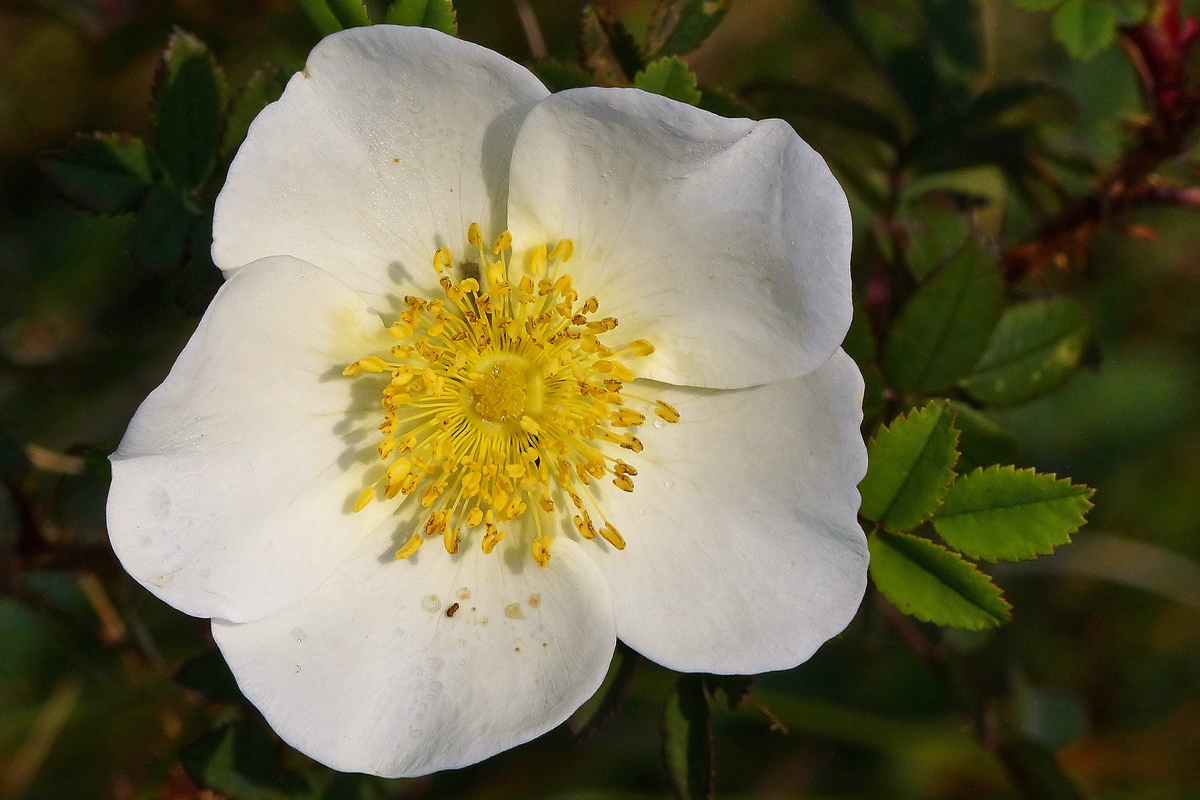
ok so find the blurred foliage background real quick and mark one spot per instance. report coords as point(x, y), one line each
point(938, 116)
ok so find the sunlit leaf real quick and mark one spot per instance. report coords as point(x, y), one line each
point(945, 327)
point(1010, 514)
point(910, 467)
point(437, 14)
point(927, 581)
point(102, 172)
point(1034, 349)
point(670, 77)
point(688, 740)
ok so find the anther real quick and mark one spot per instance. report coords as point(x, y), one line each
point(537, 260)
point(612, 536)
point(373, 364)
point(541, 551)
point(640, 347)
point(364, 498)
point(666, 411)
point(563, 250)
point(441, 260)
point(503, 242)
point(410, 547)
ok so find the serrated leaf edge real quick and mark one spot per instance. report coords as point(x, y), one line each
point(1086, 496)
point(904, 416)
point(1008, 607)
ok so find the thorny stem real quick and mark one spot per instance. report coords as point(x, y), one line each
point(1158, 51)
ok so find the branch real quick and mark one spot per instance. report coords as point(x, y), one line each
point(1157, 51)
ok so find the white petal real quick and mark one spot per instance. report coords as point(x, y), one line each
point(369, 674)
point(388, 145)
point(743, 551)
point(231, 488)
point(724, 242)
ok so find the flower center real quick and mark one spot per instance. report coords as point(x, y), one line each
point(503, 403)
point(500, 395)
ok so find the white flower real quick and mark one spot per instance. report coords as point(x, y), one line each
point(308, 434)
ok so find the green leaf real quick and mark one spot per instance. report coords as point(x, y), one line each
point(945, 327)
point(670, 77)
point(209, 675)
point(103, 172)
point(350, 13)
point(189, 106)
point(939, 231)
point(159, 237)
point(910, 465)
point(437, 14)
point(609, 698)
point(1035, 348)
point(688, 740)
point(240, 761)
point(1085, 27)
point(1009, 514)
point(680, 26)
point(927, 581)
point(559, 76)
point(263, 87)
point(1130, 12)
point(982, 441)
point(321, 16)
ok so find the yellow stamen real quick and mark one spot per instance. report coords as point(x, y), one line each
point(665, 411)
point(410, 547)
point(541, 551)
point(503, 242)
point(496, 399)
point(563, 250)
point(364, 499)
point(610, 535)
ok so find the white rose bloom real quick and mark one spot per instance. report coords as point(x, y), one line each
point(413, 468)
